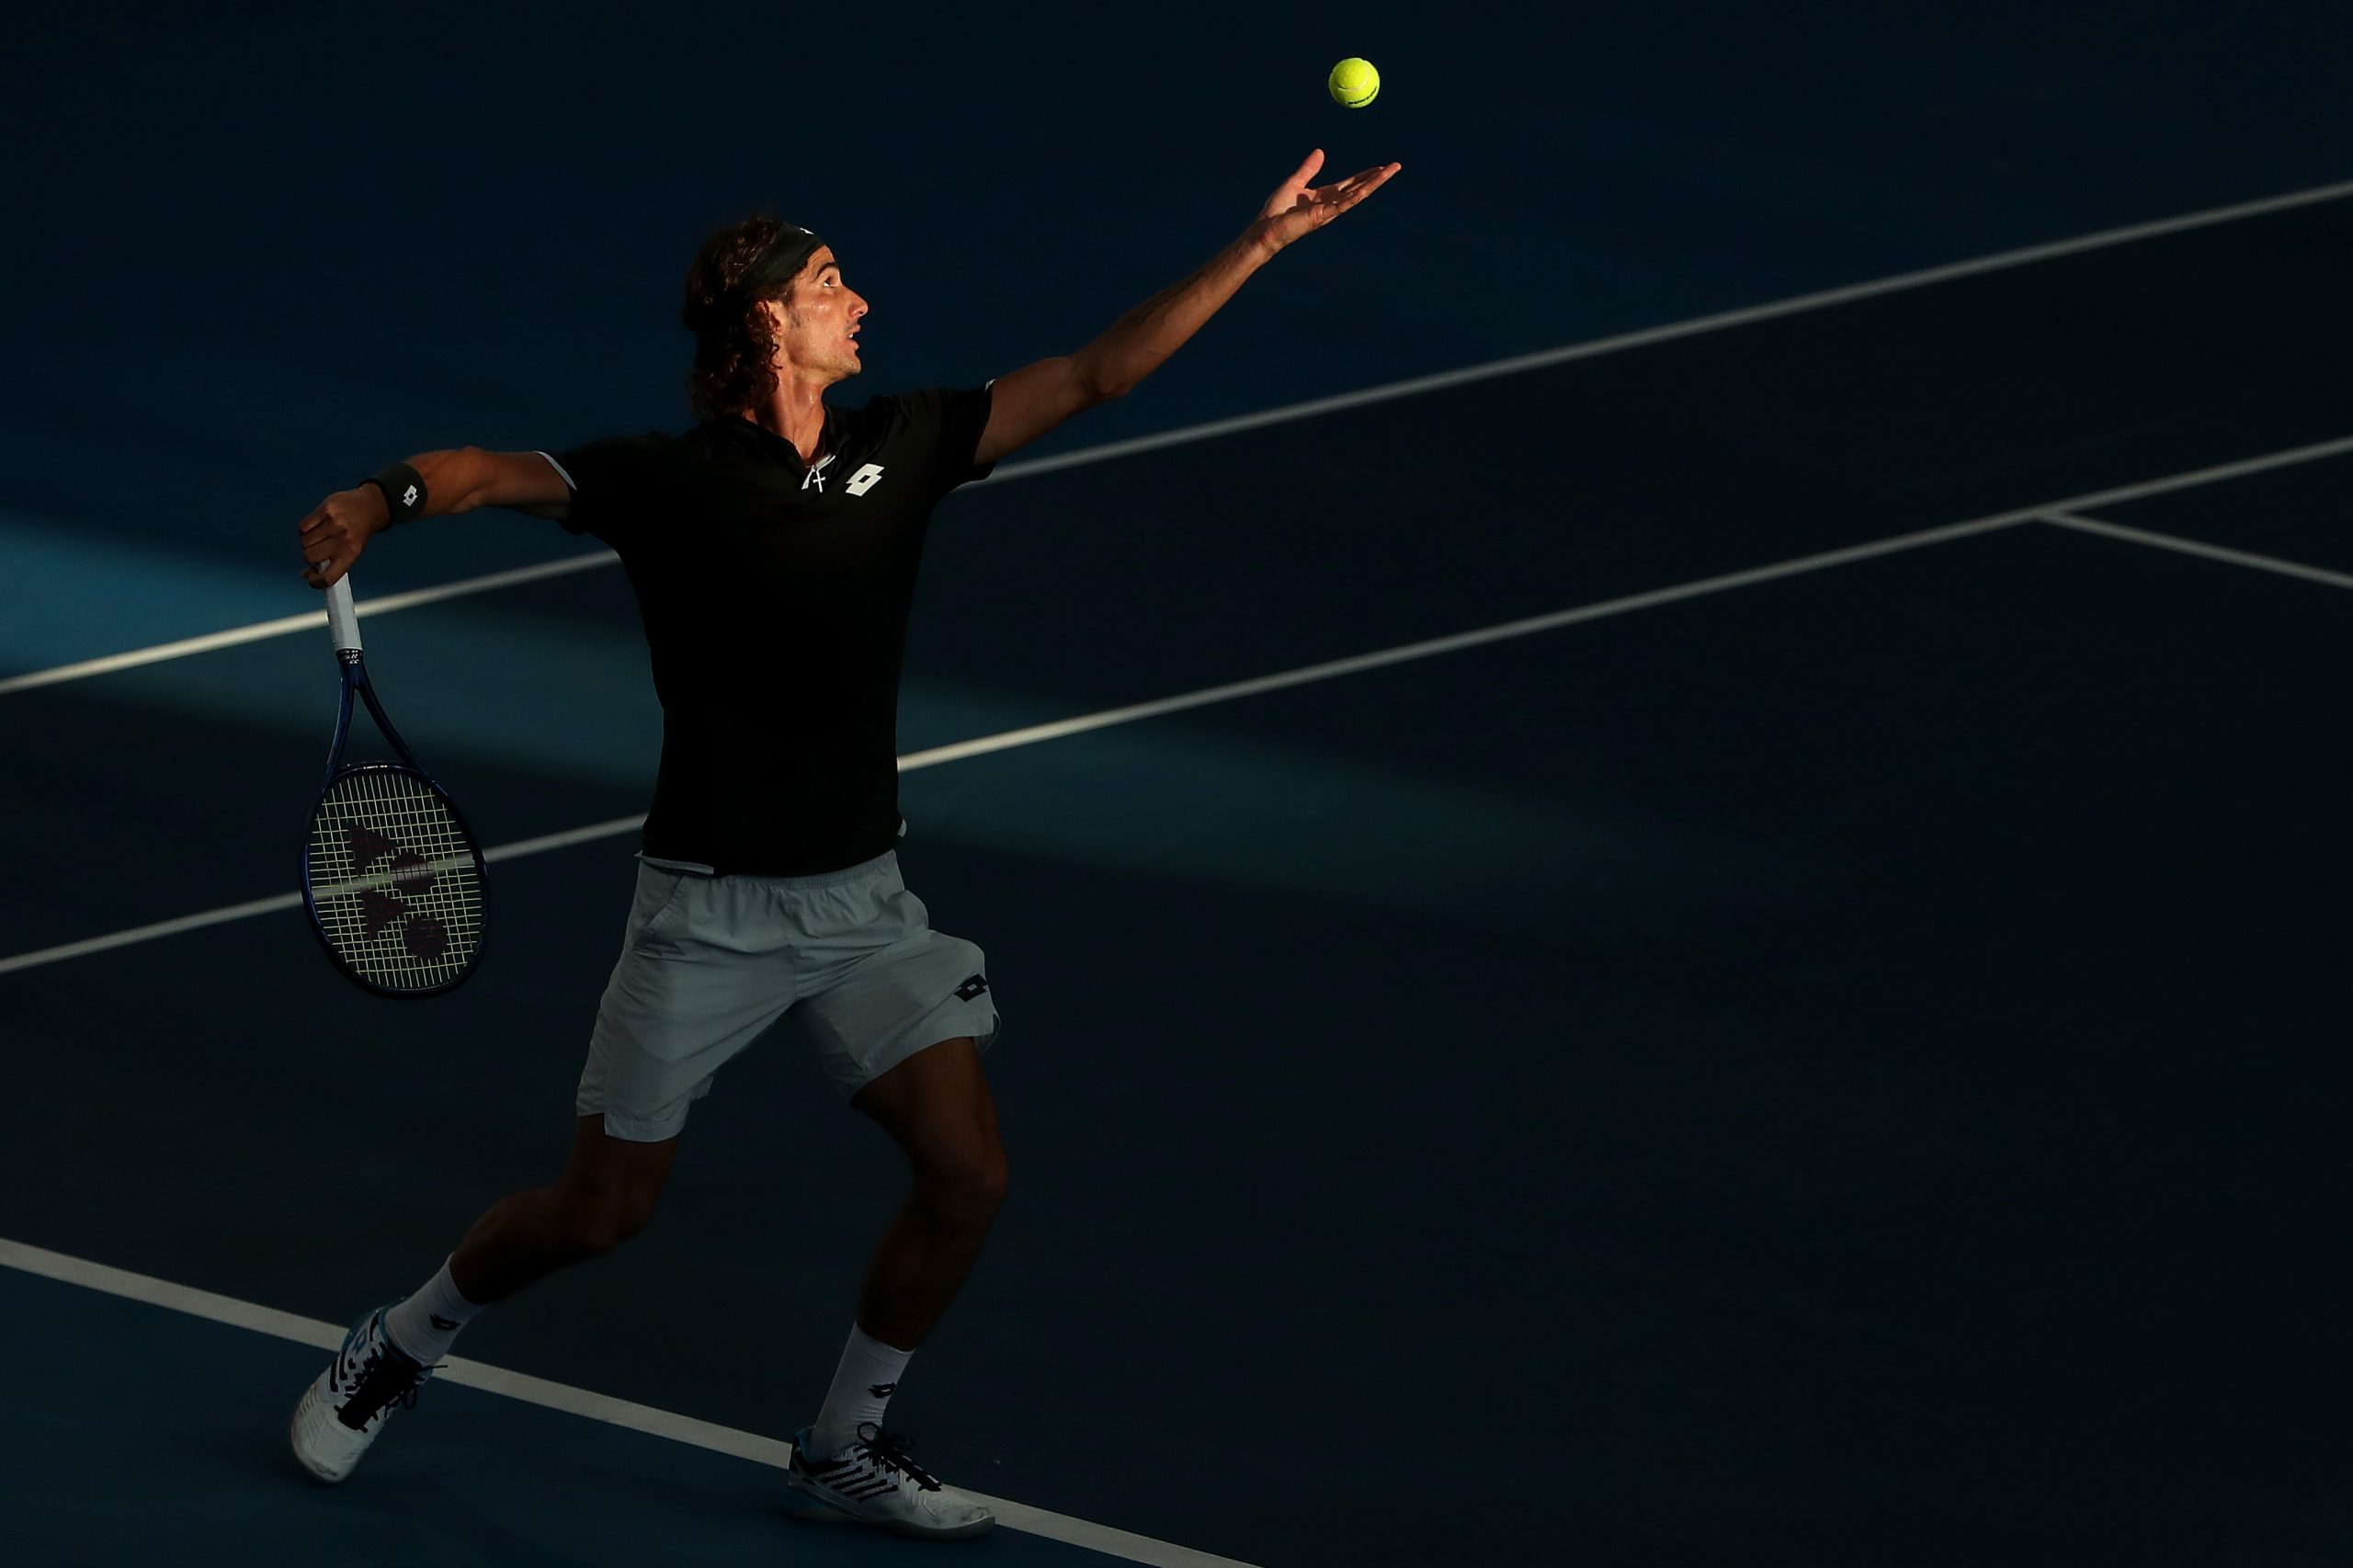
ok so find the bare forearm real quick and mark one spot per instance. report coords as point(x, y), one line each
point(467, 477)
point(338, 528)
point(1036, 398)
point(1133, 346)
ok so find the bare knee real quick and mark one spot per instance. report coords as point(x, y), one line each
point(608, 1189)
point(967, 1191)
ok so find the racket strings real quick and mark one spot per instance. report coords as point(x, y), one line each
point(393, 880)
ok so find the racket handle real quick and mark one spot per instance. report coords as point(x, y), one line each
point(343, 620)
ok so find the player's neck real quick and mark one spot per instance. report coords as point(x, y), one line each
point(796, 411)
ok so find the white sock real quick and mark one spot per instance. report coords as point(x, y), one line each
point(869, 1375)
point(426, 1323)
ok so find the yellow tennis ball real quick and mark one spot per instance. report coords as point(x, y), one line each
point(1353, 82)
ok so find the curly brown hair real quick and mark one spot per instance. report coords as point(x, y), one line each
point(734, 347)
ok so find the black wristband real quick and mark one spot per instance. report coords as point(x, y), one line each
point(404, 490)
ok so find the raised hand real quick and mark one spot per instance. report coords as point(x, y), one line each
point(1298, 208)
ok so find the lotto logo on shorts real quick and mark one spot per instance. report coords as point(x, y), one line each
point(972, 987)
point(864, 479)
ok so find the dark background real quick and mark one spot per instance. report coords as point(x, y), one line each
point(255, 251)
point(1843, 1072)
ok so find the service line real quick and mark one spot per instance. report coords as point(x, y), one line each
point(2063, 512)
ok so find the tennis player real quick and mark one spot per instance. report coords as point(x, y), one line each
point(779, 528)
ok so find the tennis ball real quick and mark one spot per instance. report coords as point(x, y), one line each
point(1353, 82)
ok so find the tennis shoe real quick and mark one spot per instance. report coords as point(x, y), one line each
point(342, 1413)
point(874, 1482)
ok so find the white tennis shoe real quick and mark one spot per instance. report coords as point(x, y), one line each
point(874, 1482)
point(342, 1411)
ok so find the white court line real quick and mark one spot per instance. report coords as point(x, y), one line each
point(1085, 721)
point(1437, 645)
point(310, 621)
point(770, 1451)
point(1387, 391)
point(1720, 321)
point(2196, 547)
point(221, 917)
point(1034, 734)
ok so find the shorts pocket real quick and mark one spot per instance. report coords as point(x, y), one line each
point(659, 893)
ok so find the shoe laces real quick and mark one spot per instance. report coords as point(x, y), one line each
point(888, 1451)
point(384, 1377)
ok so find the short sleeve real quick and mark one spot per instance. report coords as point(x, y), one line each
point(945, 426)
point(610, 480)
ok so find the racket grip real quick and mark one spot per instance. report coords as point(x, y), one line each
point(343, 620)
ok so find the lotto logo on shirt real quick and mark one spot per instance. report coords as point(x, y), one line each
point(864, 479)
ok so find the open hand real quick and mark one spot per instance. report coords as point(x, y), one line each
point(1297, 208)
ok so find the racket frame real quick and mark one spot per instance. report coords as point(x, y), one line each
point(353, 668)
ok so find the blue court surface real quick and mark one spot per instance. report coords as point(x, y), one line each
point(1668, 884)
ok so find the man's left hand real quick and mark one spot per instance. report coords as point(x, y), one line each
point(1298, 208)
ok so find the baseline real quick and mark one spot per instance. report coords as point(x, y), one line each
point(770, 1451)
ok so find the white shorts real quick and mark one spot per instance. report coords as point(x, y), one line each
point(848, 961)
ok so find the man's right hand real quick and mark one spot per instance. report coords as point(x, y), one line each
point(338, 528)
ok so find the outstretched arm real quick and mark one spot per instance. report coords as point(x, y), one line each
point(340, 527)
point(1033, 400)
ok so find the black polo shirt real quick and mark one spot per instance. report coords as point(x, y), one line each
point(775, 597)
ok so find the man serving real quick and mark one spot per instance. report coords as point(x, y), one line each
point(779, 531)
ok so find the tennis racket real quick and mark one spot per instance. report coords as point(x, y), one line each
point(390, 875)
